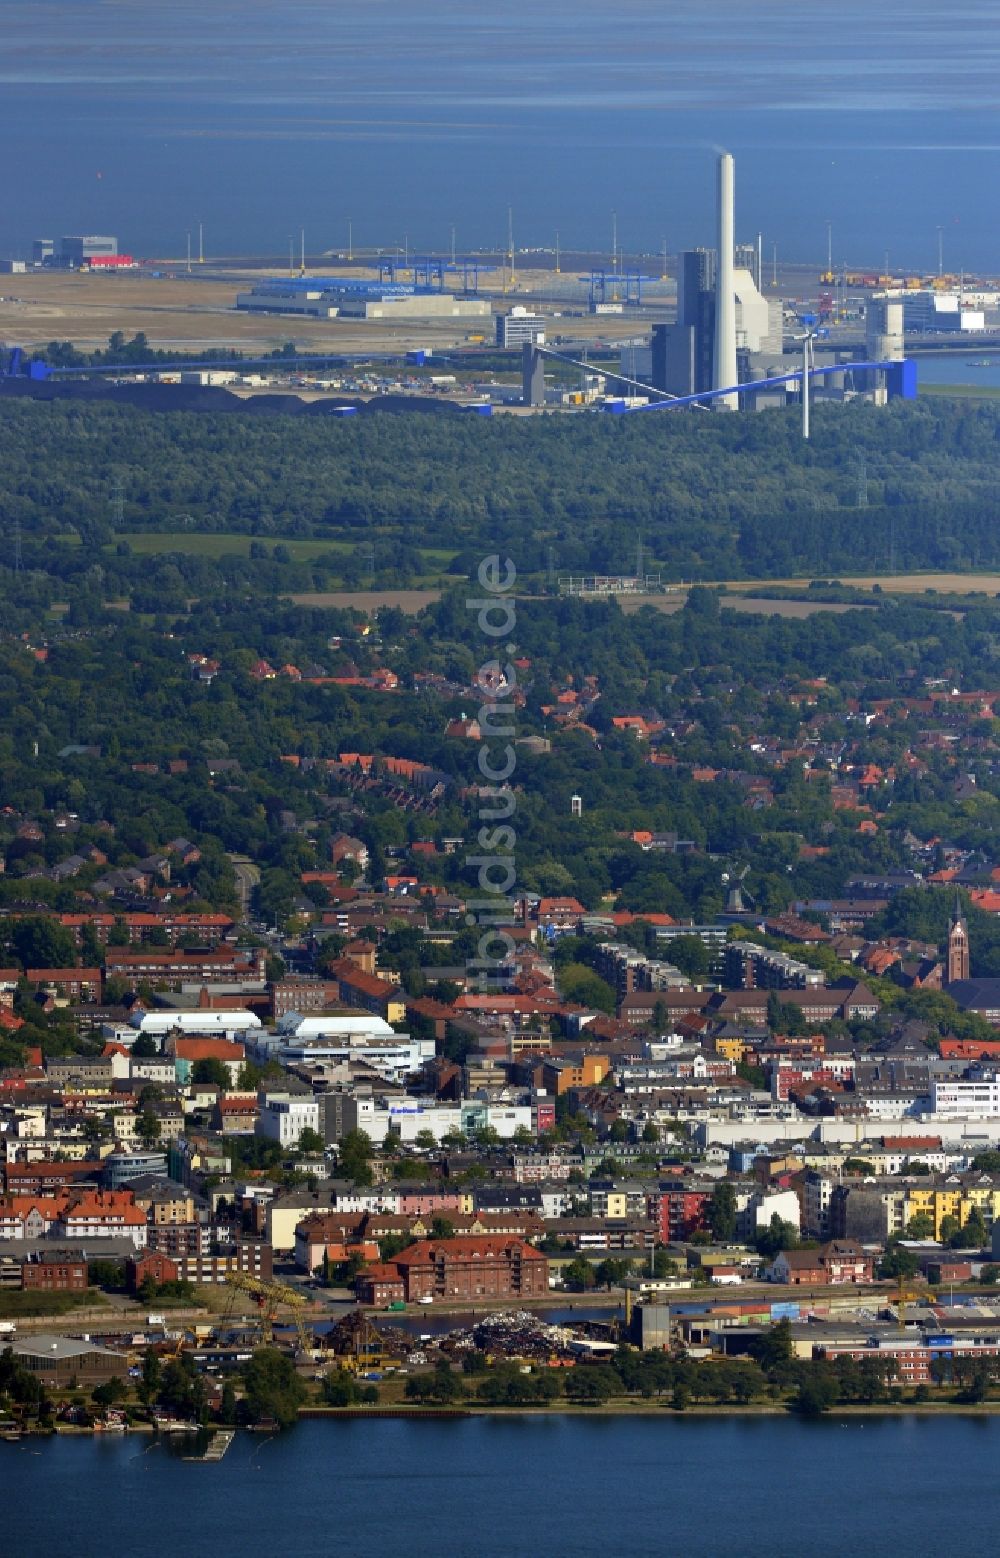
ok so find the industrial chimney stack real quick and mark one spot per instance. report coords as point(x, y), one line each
point(724, 364)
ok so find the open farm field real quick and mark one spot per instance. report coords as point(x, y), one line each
point(962, 391)
point(152, 543)
point(747, 603)
point(892, 584)
point(785, 608)
point(410, 601)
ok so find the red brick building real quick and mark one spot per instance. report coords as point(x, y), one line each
point(76, 984)
point(304, 995)
point(380, 1285)
point(231, 965)
point(43, 1177)
point(206, 929)
point(367, 992)
point(489, 1266)
point(150, 1263)
point(55, 1271)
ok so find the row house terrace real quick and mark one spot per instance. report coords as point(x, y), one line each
point(74, 984)
point(28, 1217)
point(103, 1214)
point(330, 1233)
point(205, 929)
point(245, 966)
point(43, 1178)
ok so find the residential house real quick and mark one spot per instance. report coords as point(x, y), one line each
point(835, 1264)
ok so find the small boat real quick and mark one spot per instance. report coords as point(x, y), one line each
point(981, 362)
point(170, 1425)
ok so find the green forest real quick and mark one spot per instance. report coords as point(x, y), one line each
point(710, 496)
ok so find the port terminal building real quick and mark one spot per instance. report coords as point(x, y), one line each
point(327, 297)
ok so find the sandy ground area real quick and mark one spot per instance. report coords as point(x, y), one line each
point(198, 311)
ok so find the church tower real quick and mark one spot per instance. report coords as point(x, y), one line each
point(958, 945)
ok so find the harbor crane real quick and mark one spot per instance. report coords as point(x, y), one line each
point(269, 1298)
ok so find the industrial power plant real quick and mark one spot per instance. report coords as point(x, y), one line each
point(512, 332)
point(727, 347)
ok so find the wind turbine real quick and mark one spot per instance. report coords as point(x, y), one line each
point(813, 332)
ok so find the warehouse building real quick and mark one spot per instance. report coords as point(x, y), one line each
point(60, 1360)
point(326, 297)
point(76, 249)
point(944, 311)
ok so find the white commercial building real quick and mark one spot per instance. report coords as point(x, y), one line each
point(363, 1038)
point(518, 325)
point(394, 1060)
point(759, 1206)
point(196, 1024)
point(408, 1117)
point(979, 1100)
point(335, 1025)
point(283, 1118)
point(405, 1118)
point(975, 1134)
point(505, 1119)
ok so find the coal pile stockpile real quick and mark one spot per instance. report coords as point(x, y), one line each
point(204, 397)
point(510, 1334)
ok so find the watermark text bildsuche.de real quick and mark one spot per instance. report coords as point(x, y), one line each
point(496, 680)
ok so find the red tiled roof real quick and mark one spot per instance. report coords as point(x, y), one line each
point(61, 976)
point(467, 1246)
point(207, 1049)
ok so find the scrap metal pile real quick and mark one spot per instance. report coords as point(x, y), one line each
point(510, 1334)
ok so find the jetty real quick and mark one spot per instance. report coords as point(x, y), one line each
point(217, 1446)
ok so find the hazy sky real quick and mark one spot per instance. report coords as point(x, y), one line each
point(140, 117)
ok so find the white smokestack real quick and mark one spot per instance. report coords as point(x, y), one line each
point(724, 364)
